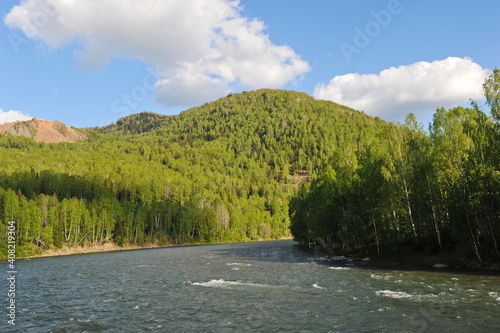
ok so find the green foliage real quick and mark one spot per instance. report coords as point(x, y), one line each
point(257, 165)
point(224, 171)
point(134, 124)
point(405, 191)
point(492, 93)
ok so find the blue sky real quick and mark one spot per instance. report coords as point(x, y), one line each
point(87, 63)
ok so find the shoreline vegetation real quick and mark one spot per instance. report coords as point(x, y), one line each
point(262, 165)
point(439, 262)
point(417, 261)
point(409, 192)
point(414, 261)
point(106, 247)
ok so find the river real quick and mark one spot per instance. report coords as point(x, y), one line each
point(243, 287)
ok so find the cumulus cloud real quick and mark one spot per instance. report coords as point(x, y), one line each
point(12, 115)
point(189, 89)
point(416, 88)
point(204, 47)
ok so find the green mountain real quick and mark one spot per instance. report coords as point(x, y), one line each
point(134, 124)
point(259, 165)
point(224, 171)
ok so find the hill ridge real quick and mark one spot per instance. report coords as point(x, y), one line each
point(42, 131)
point(265, 99)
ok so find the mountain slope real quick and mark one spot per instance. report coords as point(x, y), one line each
point(224, 171)
point(274, 127)
point(43, 131)
point(134, 124)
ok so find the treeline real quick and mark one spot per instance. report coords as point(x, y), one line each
point(53, 221)
point(405, 190)
point(220, 172)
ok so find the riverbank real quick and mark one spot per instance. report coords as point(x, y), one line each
point(415, 261)
point(111, 247)
point(106, 247)
point(65, 250)
point(446, 262)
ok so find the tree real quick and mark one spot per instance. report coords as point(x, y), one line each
point(492, 92)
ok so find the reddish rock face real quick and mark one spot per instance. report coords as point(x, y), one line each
point(43, 131)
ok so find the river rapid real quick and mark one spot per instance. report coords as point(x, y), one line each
point(243, 287)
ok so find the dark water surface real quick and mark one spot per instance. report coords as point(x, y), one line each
point(243, 287)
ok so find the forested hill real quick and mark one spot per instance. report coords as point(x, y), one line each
point(407, 191)
point(224, 171)
point(134, 124)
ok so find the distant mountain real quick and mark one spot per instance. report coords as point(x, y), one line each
point(43, 131)
point(134, 124)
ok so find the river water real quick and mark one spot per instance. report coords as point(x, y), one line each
point(243, 287)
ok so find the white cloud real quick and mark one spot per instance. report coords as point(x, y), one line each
point(416, 88)
point(189, 89)
point(209, 40)
point(11, 116)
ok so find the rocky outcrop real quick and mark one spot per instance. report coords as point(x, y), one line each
point(43, 131)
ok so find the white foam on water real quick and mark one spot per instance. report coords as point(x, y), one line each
point(402, 294)
point(339, 268)
point(393, 294)
point(311, 261)
point(386, 308)
point(318, 287)
point(144, 266)
point(494, 295)
point(221, 283)
point(138, 307)
point(380, 277)
point(238, 264)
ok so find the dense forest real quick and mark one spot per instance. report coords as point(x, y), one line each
point(260, 165)
point(405, 190)
point(224, 171)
